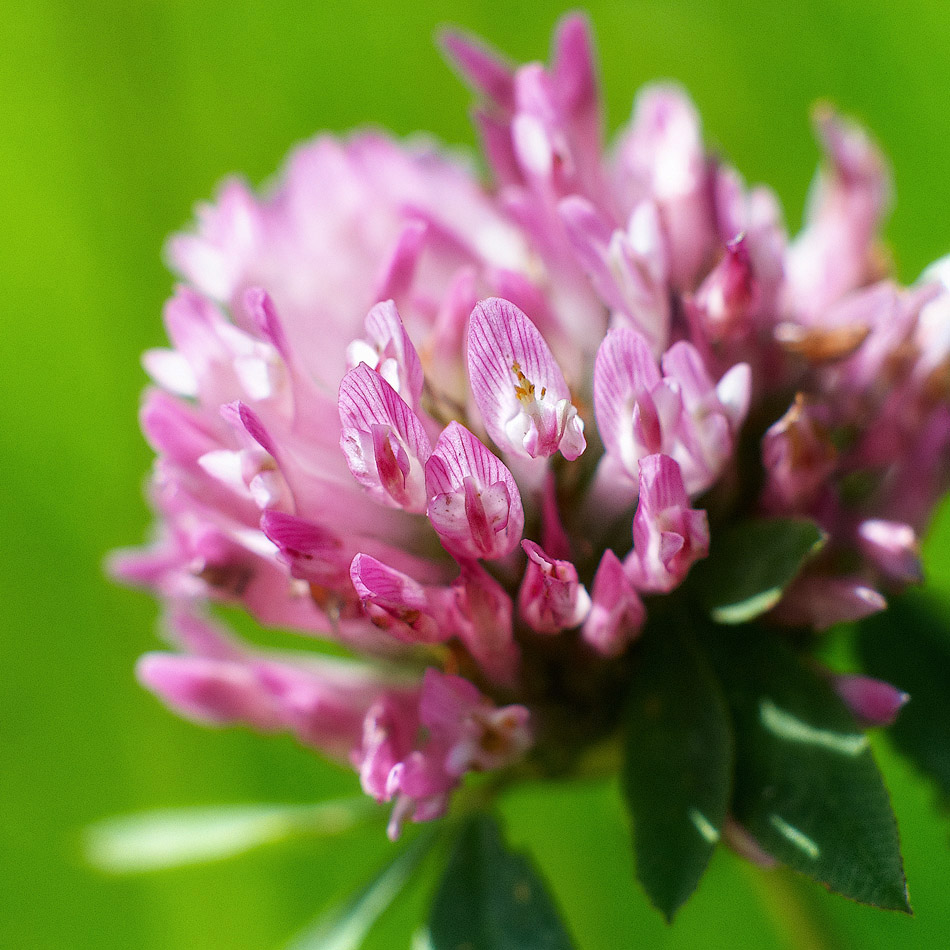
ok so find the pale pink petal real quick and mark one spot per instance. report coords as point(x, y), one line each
point(627, 270)
point(836, 252)
point(893, 547)
point(821, 602)
point(387, 349)
point(474, 502)
point(625, 378)
point(517, 386)
point(799, 458)
point(385, 444)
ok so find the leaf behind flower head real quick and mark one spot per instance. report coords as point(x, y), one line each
point(908, 645)
point(677, 775)
point(492, 898)
point(345, 927)
point(175, 837)
point(806, 787)
point(751, 563)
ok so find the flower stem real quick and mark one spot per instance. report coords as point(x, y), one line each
point(794, 917)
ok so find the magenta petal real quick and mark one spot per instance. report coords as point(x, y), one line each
point(575, 75)
point(240, 414)
point(210, 691)
point(400, 605)
point(400, 269)
point(264, 314)
point(483, 616)
point(617, 614)
point(518, 387)
point(473, 732)
point(389, 730)
point(197, 634)
point(484, 68)
point(872, 702)
point(175, 429)
point(726, 298)
point(668, 535)
point(384, 442)
point(312, 552)
point(551, 598)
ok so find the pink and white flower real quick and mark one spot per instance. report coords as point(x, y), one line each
point(466, 428)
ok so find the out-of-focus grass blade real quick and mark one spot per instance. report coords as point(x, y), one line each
point(157, 840)
point(422, 940)
point(345, 927)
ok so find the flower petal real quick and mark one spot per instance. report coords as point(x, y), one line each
point(668, 535)
point(388, 350)
point(551, 598)
point(400, 605)
point(518, 387)
point(617, 614)
point(474, 502)
point(385, 444)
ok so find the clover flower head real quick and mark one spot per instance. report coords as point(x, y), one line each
point(479, 434)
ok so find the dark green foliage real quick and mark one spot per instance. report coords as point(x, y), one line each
point(909, 646)
point(678, 765)
point(806, 784)
point(751, 563)
point(491, 898)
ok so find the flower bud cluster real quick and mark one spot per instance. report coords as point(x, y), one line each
point(452, 427)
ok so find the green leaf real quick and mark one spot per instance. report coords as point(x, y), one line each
point(806, 785)
point(908, 645)
point(158, 840)
point(491, 898)
point(751, 564)
point(346, 927)
point(678, 766)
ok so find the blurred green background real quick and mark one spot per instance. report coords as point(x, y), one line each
point(116, 118)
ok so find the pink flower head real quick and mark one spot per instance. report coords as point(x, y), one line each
point(423, 418)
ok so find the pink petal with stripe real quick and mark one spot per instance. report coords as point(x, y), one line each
point(384, 442)
point(518, 387)
point(474, 502)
